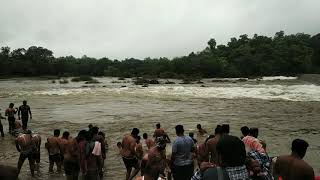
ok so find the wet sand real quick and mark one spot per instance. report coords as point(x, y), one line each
point(279, 121)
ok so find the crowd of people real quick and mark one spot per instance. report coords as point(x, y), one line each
point(220, 156)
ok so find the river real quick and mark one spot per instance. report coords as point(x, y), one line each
point(283, 108)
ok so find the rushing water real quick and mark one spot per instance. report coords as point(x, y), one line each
point(283, 109)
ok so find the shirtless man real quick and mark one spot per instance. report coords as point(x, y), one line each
point(129, 155)
point(71, 161)
point(139, 149)
point(10, 112)
point(292, 167)
point(26, 147)
point(25, 111)
point(201, 132)
point(149, 142)
point(159, 132)
point(53, 147)
point(212, 145)
point(63, 142)
point(202, 151)
point(157, 157)
point(36, 138)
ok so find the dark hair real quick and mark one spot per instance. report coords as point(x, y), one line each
point(254, 132)
point(138, 138)
point(94, 130)
point(158, 125)
point(65, 134)
point(225, 128)
point(56, 132)
point(299, 146)
point(90, 126)
point(191, 134)
point(11, 105)
point(102, 134)
point(198, 126)
point(81, 135)
point(232, 151)
point(179, 129)
point(218, 130)
point(145, 135)
point(245, 130)
point(135, 131)
point(24, 102)
point(119, 144)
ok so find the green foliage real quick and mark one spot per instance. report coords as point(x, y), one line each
point(241, 57)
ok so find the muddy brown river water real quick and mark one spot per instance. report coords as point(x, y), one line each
point(282, 110)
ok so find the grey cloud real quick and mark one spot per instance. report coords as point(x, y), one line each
point(147, 28)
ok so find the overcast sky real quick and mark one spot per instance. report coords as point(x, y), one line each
point(147, 28)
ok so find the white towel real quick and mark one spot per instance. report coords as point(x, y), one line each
point(97, 149)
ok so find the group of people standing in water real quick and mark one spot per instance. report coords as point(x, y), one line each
point(24, 113)
point(220, 156)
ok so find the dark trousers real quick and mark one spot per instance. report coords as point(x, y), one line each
point(11, 121)
point(24, 122)
point(1, 130)
point(183, 172)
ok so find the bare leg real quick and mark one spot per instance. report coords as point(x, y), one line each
point(134, 173)
point(128, 173)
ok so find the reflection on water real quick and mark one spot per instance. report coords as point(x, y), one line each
point(282, 110)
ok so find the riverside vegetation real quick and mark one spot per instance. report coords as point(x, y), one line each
point(240, 57)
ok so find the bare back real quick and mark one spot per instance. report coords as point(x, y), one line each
point(25, 142)
point(128, 147)
point(53, 145)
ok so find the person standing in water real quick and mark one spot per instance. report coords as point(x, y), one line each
point(129, 154)
point(25, 111)
point(53, 147)
point(1, 127)
point(26, 147)
point(10, 112)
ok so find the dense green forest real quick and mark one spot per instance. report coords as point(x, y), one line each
point(240, 57)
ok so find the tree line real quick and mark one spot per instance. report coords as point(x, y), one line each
point(240, 57)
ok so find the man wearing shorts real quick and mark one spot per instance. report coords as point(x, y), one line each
point(129, 155)
point(26, 147)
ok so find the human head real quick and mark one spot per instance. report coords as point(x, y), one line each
point(218, 130)
point(11, 105)
point(245, 130)
point(299, 147)
point(94, 130)
point(24, 102)
point(225, 129)
point(90, 126)
point(135, 132)
point(145, 136)
point(65, 135)
point(119, 145)
point(161, 143)
point(231, 151)
point(179, 129)
point(100, 133)
point(138, 138)
point(191, 134)
point(56, 132)
point(158, 125)
point(199, 126)
point(254, 132)
point(81, 135)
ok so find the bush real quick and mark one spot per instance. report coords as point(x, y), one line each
point(82, 78)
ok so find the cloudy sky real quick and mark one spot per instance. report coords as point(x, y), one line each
point(147, 28)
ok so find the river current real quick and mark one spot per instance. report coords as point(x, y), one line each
point(283, 108)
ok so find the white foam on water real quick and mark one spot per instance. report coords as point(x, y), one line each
point(272, 78)
point(261, 91)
